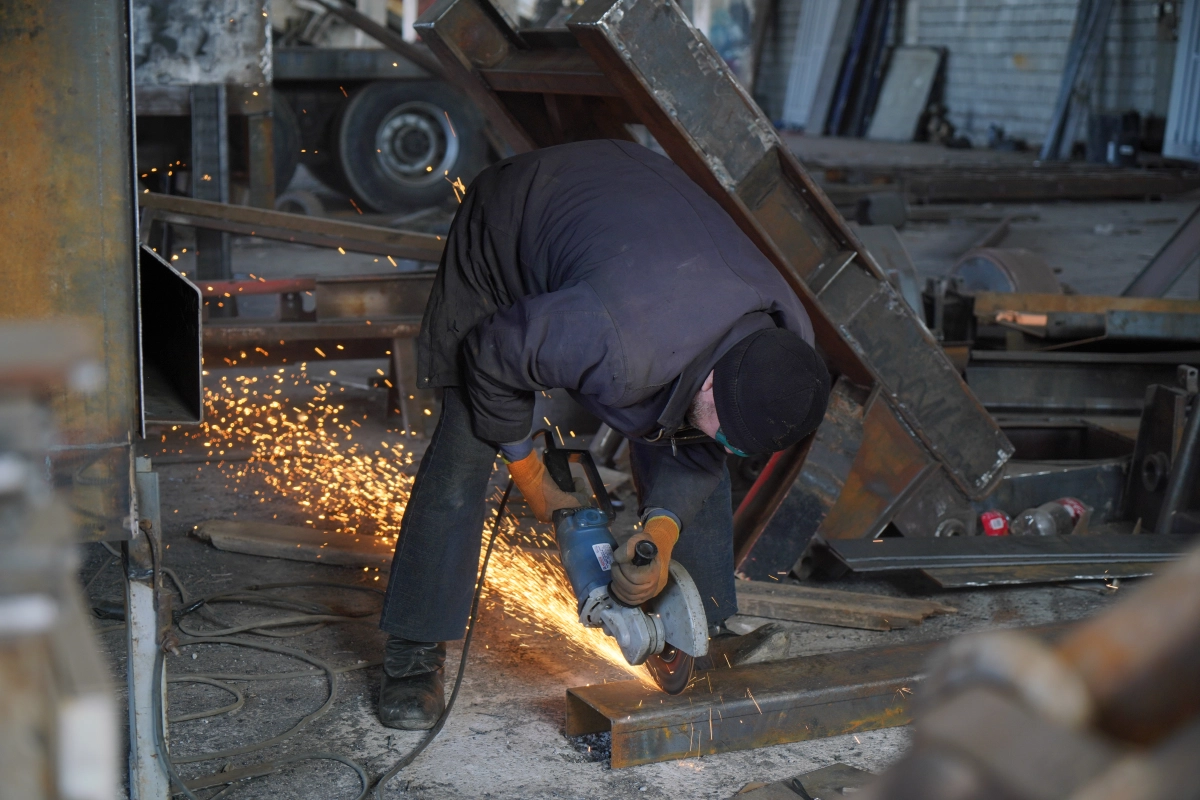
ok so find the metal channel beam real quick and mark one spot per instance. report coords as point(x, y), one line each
point(285, 227)
point(892, 554)
point(757, 705)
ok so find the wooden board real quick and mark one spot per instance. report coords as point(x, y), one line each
point(832, 607)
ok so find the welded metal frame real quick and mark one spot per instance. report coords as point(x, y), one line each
point(642, 62)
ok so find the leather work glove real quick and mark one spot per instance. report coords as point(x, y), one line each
point(540, 490)
point(634, 585)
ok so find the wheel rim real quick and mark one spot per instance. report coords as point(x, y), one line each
point(416, 145)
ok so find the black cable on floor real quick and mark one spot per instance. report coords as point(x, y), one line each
point(462, 661)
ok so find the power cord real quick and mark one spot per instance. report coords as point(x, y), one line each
point(462, 661)
point(312, 616)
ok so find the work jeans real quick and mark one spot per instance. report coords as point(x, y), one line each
point(437, 557)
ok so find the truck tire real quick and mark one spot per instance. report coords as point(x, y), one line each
point(401, 144)
point(285, 139)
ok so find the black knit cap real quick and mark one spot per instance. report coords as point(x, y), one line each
point(770, 391)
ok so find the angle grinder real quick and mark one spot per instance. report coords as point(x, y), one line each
point(667, 632)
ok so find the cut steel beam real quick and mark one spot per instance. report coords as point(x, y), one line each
point(671, 80)
point(756, 705)
point(280, 225)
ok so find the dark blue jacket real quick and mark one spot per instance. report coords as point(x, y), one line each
point(597, 267)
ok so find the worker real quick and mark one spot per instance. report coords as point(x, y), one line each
point(600, 268)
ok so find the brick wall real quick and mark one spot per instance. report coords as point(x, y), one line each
point(1006, 59)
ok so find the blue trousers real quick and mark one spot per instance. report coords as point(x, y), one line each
point(433, 572)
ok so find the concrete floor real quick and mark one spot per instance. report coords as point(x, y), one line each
point(505, 739)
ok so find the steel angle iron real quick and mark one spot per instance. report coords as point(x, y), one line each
point(668, 632)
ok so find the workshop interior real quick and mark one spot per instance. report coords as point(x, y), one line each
point(755, 399)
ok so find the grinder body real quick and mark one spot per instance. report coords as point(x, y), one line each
point(675, 618)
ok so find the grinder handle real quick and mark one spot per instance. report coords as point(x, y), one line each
point(644, 553)
point(558, 464)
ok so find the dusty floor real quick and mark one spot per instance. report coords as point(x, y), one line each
point(506, 739)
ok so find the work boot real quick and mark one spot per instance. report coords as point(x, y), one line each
point(412, 696)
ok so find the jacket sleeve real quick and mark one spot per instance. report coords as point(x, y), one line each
point(560, 340)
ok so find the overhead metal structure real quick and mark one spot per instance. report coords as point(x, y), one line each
point(902, 418)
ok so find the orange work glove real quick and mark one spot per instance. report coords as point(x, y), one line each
point(540, 490)
point(635, 585)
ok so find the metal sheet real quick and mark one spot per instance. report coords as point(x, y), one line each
point(66, 196)
point(1182, 138)
point(889, 555)
point(750, 706)
point(905, 93)
point(1099, 483)
point(814, 40)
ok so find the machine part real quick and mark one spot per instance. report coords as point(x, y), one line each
point(994, 269)
point(246, 221)
point(672, 620)
point(794, 603)
point(754, 705)
point(901, 553)
point(671, 669)
point(1159, 443)
point(374, 297)
point(1171, 261)
point(400, 145)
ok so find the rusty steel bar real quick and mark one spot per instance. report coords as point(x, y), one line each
point(286, 227)
point(1140, 660)
point(753, 706)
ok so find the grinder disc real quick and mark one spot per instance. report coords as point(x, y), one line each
point(671, 669)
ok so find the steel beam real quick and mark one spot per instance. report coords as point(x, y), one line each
point(898, 553)
point(1170, 262)
point(285, 227)
point(757, 705)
